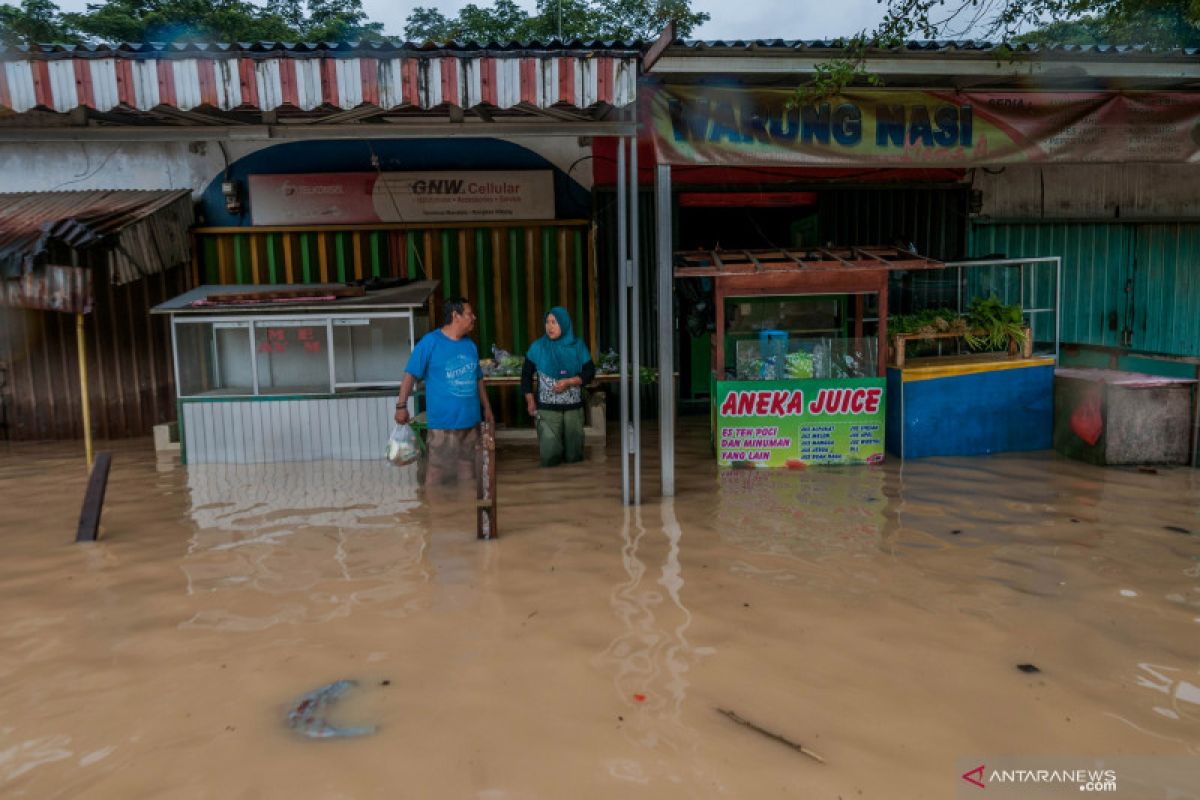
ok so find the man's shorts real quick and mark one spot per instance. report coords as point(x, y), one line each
point(451, 453)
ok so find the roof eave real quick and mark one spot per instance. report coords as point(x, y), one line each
point(943, 65)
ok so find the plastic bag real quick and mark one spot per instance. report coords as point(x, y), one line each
point(609, 362)
point(507, 365)
point(402, 447)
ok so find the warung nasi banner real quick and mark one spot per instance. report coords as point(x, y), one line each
point(890, 128)
point(799, 423)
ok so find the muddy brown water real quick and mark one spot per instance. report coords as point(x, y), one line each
point(875, 615)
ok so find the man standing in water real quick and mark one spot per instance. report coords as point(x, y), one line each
point(448, 361)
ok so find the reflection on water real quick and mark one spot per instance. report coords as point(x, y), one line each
point(876, 615)
point(319, 537)
point(651, 658)
point(805, 515)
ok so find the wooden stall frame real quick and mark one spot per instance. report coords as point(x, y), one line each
point(854, 271)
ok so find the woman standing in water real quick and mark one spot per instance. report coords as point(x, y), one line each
point(562, 366)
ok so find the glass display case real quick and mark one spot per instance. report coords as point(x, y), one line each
point(281, 372)
point(291, 355)
point(809, 357)
point(785, 338)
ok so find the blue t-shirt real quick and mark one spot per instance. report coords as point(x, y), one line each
point(450, 370)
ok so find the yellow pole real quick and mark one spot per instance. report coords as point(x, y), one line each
point(83, 387)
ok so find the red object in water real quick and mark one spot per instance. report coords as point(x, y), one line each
point(641, 698)
point(1086, 420)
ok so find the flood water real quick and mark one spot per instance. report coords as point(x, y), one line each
point(874, 615)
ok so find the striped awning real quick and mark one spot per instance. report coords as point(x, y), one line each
point(335, 78)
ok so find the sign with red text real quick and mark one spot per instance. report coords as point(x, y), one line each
point(355, 198)
point(799, 423)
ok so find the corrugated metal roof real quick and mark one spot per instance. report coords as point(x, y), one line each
point(145, 232)
point(299, 49)
point(269, 76)
point(940, 46)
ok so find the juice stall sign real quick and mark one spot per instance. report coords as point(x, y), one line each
point(799, 423)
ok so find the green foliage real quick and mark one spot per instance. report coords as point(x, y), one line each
point(505, 21)
point(34, 21)
point(501, 21)
point(427, 24)
point(1158, 24)
point(992, 324)
point(41, 21)
point(928, 322)
point(988, 325)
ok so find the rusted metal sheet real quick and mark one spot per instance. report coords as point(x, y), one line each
point(55, 288)
point(1082, 193)
point(130, 376)
point(143, 232)
point(306, 77)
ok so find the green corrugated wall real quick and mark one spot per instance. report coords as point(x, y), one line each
point(1166, 289)
point(1132, 285)
point(1095, 269)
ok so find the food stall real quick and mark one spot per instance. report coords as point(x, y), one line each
point(797, 376)
point(291, 373)
point(979, 388)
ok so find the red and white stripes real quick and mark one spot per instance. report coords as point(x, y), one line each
point(266, 84)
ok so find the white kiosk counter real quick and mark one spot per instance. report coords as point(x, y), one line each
point(290, 373)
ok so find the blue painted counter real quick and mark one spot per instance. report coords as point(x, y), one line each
point(970, 405)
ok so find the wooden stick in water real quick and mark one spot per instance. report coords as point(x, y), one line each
point(485, 474)
point(770, 735)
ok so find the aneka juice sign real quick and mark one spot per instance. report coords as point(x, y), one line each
point(706, 125)
point(799, 423)
point(350, 198)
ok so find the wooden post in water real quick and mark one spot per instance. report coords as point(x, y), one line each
point(485, 482)
point(93, 501)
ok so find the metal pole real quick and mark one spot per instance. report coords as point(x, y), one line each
point(635, 320)
point(623, 317)
point(1057, 305)
point(81, 346)
point(666, 327)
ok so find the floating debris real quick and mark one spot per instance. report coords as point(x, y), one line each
point(1177, 529)
point(306, 716)
point(1027, 668)
point(771, 735)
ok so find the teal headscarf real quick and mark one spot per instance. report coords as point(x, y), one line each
point(563, 357)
